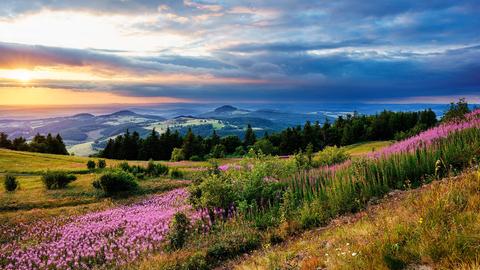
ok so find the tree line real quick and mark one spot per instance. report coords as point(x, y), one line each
point(42, 144)
point(345, 130)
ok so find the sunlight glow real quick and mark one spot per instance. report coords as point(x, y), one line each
point(21, 75)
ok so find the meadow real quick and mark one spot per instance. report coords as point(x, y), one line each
point(198, 215)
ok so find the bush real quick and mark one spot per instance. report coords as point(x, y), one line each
point(175, 173)
point(264, 146)
point(57, 179)
point(218, 151)
point(116, 181)
point(177, 154)
point(91, 165)
point(330, 155)
point(101, 164)
point(195, 158)
point(156, 169)
point(178, 231)
point(10, 182)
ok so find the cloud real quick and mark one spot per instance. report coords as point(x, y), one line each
point(344, 50)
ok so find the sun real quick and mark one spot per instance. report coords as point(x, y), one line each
point(21, 75)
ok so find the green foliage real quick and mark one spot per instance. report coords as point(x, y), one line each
point(456, 111)
point(178, 231)
point(101, 164)
point(250, 137)
point(177, 154)
point(329, 156)
point(215, 191)
point(156, 169)
point(175, 173)
point(348, 189)
point(218, 151)
point(91, 165)
point(114, 182)
point(195, 158)
point(152, 170)
point(10, 182)
point(57, 179)
point(41, 144)
point(264, 146)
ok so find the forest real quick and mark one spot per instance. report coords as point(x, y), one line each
point(350, 129)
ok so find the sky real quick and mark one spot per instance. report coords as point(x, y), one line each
point(145, 51)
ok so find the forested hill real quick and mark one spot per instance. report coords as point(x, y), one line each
point(386, 125)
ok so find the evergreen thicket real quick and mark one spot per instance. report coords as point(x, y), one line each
point(345, 130)
point(41, 144)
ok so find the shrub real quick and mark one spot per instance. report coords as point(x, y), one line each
point(10, 182)
point(195, 158)
point(57, 179)
point(175, 173)
point(178, 231)
point(264, 146)
point(218, 151)
point(177, 154)
point(91, 164)
point(116, 181)
point(101, 164)
point(156, 169)
point(329, 156)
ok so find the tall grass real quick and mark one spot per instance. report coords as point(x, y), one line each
point(349, 188)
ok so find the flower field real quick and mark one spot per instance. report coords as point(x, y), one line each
point(112, 237)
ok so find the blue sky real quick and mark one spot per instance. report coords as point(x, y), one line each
point(140, 51)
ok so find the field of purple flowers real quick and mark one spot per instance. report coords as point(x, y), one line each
point(112, 237)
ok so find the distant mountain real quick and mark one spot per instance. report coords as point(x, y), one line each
point(273, 119)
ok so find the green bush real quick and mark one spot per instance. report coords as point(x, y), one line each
point(57, 179)
point(156, 169)
point(177, 154)
point(101, 164)
point(264, 146)
point(195, 158)
point(178, 231)
point(10, 182)
point(175, 173)
point(329, 156)
point(218, 151)
point(116, 181)
point(90, 164)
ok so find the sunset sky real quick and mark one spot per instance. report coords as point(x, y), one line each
point(143, 51)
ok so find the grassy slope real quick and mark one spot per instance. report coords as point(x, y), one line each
point(437, 225)
point(27, 162)
point(366, 147)
point(32, 201)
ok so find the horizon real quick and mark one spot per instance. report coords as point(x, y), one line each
point(139, 53)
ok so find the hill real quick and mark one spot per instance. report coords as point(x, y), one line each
point(434, 227)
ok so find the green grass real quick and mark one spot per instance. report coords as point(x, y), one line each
point(366, 147)
point(437, 226)
point(35, 163)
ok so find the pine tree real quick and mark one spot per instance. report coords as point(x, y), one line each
point(250, 137)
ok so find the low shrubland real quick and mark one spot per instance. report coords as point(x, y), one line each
point(57, 179)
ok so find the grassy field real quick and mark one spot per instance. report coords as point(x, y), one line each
point(436, 226)
point(366, 147)
point(28, 162)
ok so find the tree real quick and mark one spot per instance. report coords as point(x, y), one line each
point(264, 146)
point(4, 141)
point(456, 111)
point(250, 137)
